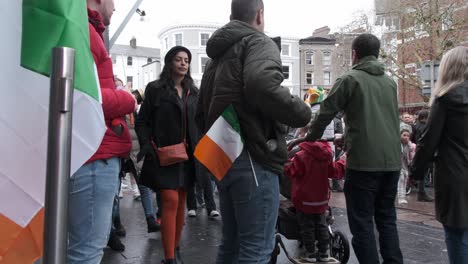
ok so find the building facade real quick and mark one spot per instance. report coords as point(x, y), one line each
point(195, 36)
point(413, 44)
point(138, 65)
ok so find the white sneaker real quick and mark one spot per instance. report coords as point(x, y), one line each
point(323, 258)
point(309, 258)
point(192, 213)
point(214, 214)
point(402, 201)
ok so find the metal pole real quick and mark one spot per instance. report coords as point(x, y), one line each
point(58, 155)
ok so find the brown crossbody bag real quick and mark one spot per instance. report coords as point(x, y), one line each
point(177, 153)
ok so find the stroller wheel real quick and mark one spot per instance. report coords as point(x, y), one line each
point(339, 247)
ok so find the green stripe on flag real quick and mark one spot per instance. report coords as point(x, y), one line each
point(230, 116)
point(51, 23)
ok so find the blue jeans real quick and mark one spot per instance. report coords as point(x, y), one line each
point(370, 197)
point(91, 196)
point(457, 244)
point(147, 200)
point(249, 213)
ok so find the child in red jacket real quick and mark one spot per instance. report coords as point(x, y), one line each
point(309, 170)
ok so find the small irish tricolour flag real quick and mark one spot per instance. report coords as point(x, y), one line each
point(221, 145)
point(30, 29)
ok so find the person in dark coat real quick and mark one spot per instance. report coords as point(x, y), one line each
point(445, 141)
point(418, 128)
point(166, 118)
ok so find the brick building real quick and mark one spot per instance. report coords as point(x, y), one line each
point(421, 31)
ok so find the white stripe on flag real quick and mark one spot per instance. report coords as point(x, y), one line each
point(23, 117)
point(24, 107)
point(226, 138)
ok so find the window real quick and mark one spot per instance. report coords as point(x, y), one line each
point(326, 58)
point(129, 61)
point(204, 38)
point(326, 78)
point(447, 24)
point(204, 60)
point(149, 60)
point(309, 58)
point(178, 39)
point(166, 43)
point(130, 79)
point(286, 72)
point(309, 77)
point(285, 49)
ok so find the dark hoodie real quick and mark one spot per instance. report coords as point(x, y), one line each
point(369, 100)
point(245, 71)
point(446, 133)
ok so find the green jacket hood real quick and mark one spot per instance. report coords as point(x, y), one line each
point(225, 37)
point(371, 65)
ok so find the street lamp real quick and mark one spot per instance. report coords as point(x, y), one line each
point(140, 12)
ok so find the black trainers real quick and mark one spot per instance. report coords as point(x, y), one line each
point(114, 243)
point(169, 261)
point(178, 256)
point(153, 226)
point(120, 231)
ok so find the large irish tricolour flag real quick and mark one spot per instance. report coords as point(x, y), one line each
point(221, 145)
point(29, 30)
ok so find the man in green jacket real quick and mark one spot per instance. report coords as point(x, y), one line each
point(369, 100)
point(245, 71)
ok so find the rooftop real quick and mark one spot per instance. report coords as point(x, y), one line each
point(138, 51)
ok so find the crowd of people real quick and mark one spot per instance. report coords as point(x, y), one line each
point(151, 136)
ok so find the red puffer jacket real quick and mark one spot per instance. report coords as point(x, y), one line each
point(309, 171)
point(115, 103)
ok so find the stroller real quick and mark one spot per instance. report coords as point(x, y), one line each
point(288, 226)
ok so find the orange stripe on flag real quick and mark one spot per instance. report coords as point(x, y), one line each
point(21, 245)
point(213, 157)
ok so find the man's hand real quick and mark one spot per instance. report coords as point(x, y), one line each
point(295, 142)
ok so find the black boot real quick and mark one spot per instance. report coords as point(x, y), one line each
point(178, 256)
point(424, 197)
point(336, 186)
point(153, 226)
point(115, 243)
point(120, 230)
point(169, 261)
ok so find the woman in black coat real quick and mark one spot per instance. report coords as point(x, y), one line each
point(166, 118)
point(445, 140)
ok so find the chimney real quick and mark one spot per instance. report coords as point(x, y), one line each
point(322, 32)
point(133, 42)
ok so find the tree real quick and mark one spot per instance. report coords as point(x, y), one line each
point(421, 30)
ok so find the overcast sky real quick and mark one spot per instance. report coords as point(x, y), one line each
point(295, 18)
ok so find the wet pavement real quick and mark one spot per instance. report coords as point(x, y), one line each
point(421, 236)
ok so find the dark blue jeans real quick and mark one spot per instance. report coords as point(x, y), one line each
point(370, 197)
point(457, 244)
point(249, 213)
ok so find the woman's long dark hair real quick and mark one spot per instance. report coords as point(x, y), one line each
point(166, 76)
